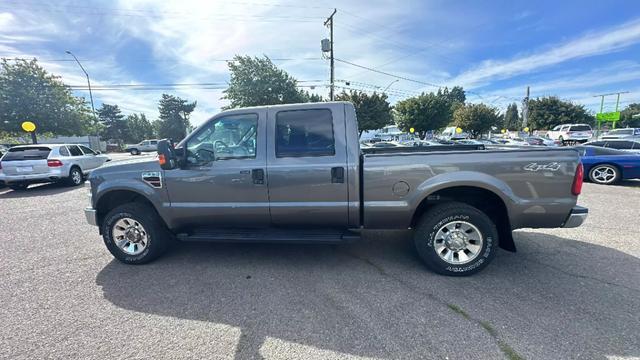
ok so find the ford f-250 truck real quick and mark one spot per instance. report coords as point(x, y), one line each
point(296, 173)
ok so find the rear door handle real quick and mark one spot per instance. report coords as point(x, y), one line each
point(258, 176)
point(337, 175)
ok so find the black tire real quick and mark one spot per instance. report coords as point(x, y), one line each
point(440, 215)
point(19, 187)
point(561, 140)
point(75, 176)
point(135, 152)
point(611, 170)
point(158, 236)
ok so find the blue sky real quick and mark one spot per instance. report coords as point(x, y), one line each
point(572, 49)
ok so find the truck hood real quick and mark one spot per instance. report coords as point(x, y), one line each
point(135, 167)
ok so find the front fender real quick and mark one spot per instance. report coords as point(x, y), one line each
point(156, 196)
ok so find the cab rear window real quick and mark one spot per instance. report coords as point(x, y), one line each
point(27, 153)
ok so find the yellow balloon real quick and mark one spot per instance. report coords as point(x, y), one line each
point(503, 131)
point(28, 126)
point(412, 130)
point(526, 129)
point(458, 130)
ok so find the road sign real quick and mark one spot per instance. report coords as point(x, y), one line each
point(28, 126)
point(608, 116)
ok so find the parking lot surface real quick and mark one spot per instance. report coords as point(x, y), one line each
point(566, 293)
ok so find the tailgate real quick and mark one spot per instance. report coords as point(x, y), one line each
point(25, 167)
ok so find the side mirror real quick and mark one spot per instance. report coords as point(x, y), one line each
point(167, 155)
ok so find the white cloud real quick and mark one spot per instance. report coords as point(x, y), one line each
point(592, 44)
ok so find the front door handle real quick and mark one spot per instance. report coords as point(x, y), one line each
point(258, 176)
point(337, 175)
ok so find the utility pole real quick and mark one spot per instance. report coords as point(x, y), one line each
point(602, 106)
point(525, 110)
point(329, 21)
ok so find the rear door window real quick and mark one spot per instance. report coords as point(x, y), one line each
point(74, 150)
point(302, 133)
point(27, 153)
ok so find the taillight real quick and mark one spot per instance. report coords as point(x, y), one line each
point(54, 163)
point(576, 187)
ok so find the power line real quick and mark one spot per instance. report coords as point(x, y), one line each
point(239, 18)
point(28, 58)
point(389, 74)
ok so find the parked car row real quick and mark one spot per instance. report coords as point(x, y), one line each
point(24, 165)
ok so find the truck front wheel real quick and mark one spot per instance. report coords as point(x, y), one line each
point(456, 239)
point(134, 233)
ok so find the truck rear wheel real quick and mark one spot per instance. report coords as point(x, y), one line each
point(456, 239)
point(135, 234)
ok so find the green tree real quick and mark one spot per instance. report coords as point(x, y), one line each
point(476, 119)
point(456, 97)
point(174, 117)
point(626, 116)
point(112, 120)
point(258, 81)
point(138, 128)
point(28, 92)
point(547, 112)
point(423, 113)
point(373, 111)
point(511, 118)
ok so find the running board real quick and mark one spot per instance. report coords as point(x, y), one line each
point(269, 235)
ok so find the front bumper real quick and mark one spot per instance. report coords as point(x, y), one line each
point(90, 214)
point(577, 216)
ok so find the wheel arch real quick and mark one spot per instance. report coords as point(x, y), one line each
point(114, 198)
point(481, 198)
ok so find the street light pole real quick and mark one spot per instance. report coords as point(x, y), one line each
point(93, 109)
point(388, 86)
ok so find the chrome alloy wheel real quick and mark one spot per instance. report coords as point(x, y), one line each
point(458, 242)
point(130, 236)
point(76, 176)
point(604, 174)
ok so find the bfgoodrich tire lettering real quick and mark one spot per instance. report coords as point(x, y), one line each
point(476, 246)
point(157, 236)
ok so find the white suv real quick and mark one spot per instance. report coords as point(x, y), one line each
point(571, 133)
point(24, 165)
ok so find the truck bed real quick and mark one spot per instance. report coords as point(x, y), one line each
point(534, 183)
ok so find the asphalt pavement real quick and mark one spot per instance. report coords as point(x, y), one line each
point(566, 293)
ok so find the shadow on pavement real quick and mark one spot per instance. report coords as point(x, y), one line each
point(555, 298)
point(36, 190)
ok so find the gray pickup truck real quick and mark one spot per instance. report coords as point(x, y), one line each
point(296, 173)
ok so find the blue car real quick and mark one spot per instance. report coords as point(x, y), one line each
point(608, 166)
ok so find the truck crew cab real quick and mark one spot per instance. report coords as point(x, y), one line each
point(296, 173)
